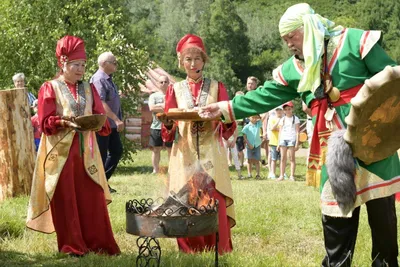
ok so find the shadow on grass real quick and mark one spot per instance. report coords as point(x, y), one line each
point(130, 170)
point(10, 229)
point(13, 258)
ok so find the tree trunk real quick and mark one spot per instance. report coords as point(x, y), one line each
point(17, 152)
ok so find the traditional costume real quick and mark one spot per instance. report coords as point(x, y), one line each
point(346, 58)
point(188, 94)
point(69, 190)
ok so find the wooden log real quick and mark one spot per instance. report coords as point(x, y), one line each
point(17, 152)
point(136, 122)
point(133, 129)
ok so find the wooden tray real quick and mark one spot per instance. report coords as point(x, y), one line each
point(183, 116)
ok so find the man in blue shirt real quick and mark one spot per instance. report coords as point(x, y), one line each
point(110, 146)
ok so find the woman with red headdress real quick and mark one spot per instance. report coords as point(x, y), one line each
point(69, 189)
point(193, 92)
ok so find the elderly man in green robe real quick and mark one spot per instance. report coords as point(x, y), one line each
point(329, 66)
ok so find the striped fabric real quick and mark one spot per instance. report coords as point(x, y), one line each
point(31, 98)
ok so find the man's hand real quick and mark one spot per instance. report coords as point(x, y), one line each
point(250, 146)
point(211, 111)
point(120, 125)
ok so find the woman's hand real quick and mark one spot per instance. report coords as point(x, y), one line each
point(163, 118)
point(69, 124)
point(211, 111)
point(296, 147)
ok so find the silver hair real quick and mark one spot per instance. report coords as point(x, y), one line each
point(18, 76)
point(341, 168)
point(104, 57)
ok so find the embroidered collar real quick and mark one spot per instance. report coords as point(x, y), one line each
point(195, 81)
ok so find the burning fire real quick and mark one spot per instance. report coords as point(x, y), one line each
point(199, 187)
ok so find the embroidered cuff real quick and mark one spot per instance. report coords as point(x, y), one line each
point(367, 41)
point(227, 111)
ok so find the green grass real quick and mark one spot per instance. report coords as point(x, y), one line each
point(278, 224)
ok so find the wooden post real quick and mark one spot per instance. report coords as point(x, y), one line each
point(17, 152)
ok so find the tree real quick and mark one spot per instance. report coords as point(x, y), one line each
point(28, 42)
point(224, 33)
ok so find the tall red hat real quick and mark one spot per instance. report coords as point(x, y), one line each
point(70, 48)
point(190, 40)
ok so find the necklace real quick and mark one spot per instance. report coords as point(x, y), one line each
point(196, 100)
point(195, 80)
point(76, 96)
point(76, 101)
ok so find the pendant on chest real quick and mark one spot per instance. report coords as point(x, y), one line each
point(197, 126)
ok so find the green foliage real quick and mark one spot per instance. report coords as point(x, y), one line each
point(228, 46)
point(28, 42)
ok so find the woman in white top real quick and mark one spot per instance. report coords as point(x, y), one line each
point(288, 140)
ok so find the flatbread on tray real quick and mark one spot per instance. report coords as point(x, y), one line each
point(178, 114)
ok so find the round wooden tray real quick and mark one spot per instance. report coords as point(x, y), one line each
point(183, 116)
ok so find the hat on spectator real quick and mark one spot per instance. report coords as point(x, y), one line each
point(289, 103)
point(70, 48)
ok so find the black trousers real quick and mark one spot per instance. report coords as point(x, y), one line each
point(341, 233)
point(111, 151)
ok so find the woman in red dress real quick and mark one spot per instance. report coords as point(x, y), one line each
point(194, 92)
point(69, 190)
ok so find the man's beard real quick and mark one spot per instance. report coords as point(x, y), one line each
point(298, 57)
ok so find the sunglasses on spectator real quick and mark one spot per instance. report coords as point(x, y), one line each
point(113, 62)
point(162, 82)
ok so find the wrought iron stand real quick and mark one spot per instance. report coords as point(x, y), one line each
point(150, 251)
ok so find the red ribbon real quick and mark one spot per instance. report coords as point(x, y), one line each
point(319, 108)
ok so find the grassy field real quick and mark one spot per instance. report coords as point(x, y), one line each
point(278, 224)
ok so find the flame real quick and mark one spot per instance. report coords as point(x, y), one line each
point(198, 187)
point(204, 200)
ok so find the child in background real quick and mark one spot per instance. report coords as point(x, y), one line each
point(37, 132)
point(265, 138)
point(239, 140)
point(232, 152)
point(273, 133)
point(288, 140)
point(251, 136)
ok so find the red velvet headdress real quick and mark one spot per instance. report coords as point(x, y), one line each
point(70, 48)
point(190, 40)
point(187, 41)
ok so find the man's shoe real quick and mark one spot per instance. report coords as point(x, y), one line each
point(112, 190)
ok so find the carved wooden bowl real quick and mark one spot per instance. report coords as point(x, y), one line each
point(90, 122)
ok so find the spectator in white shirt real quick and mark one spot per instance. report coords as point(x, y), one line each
point(288, 140)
